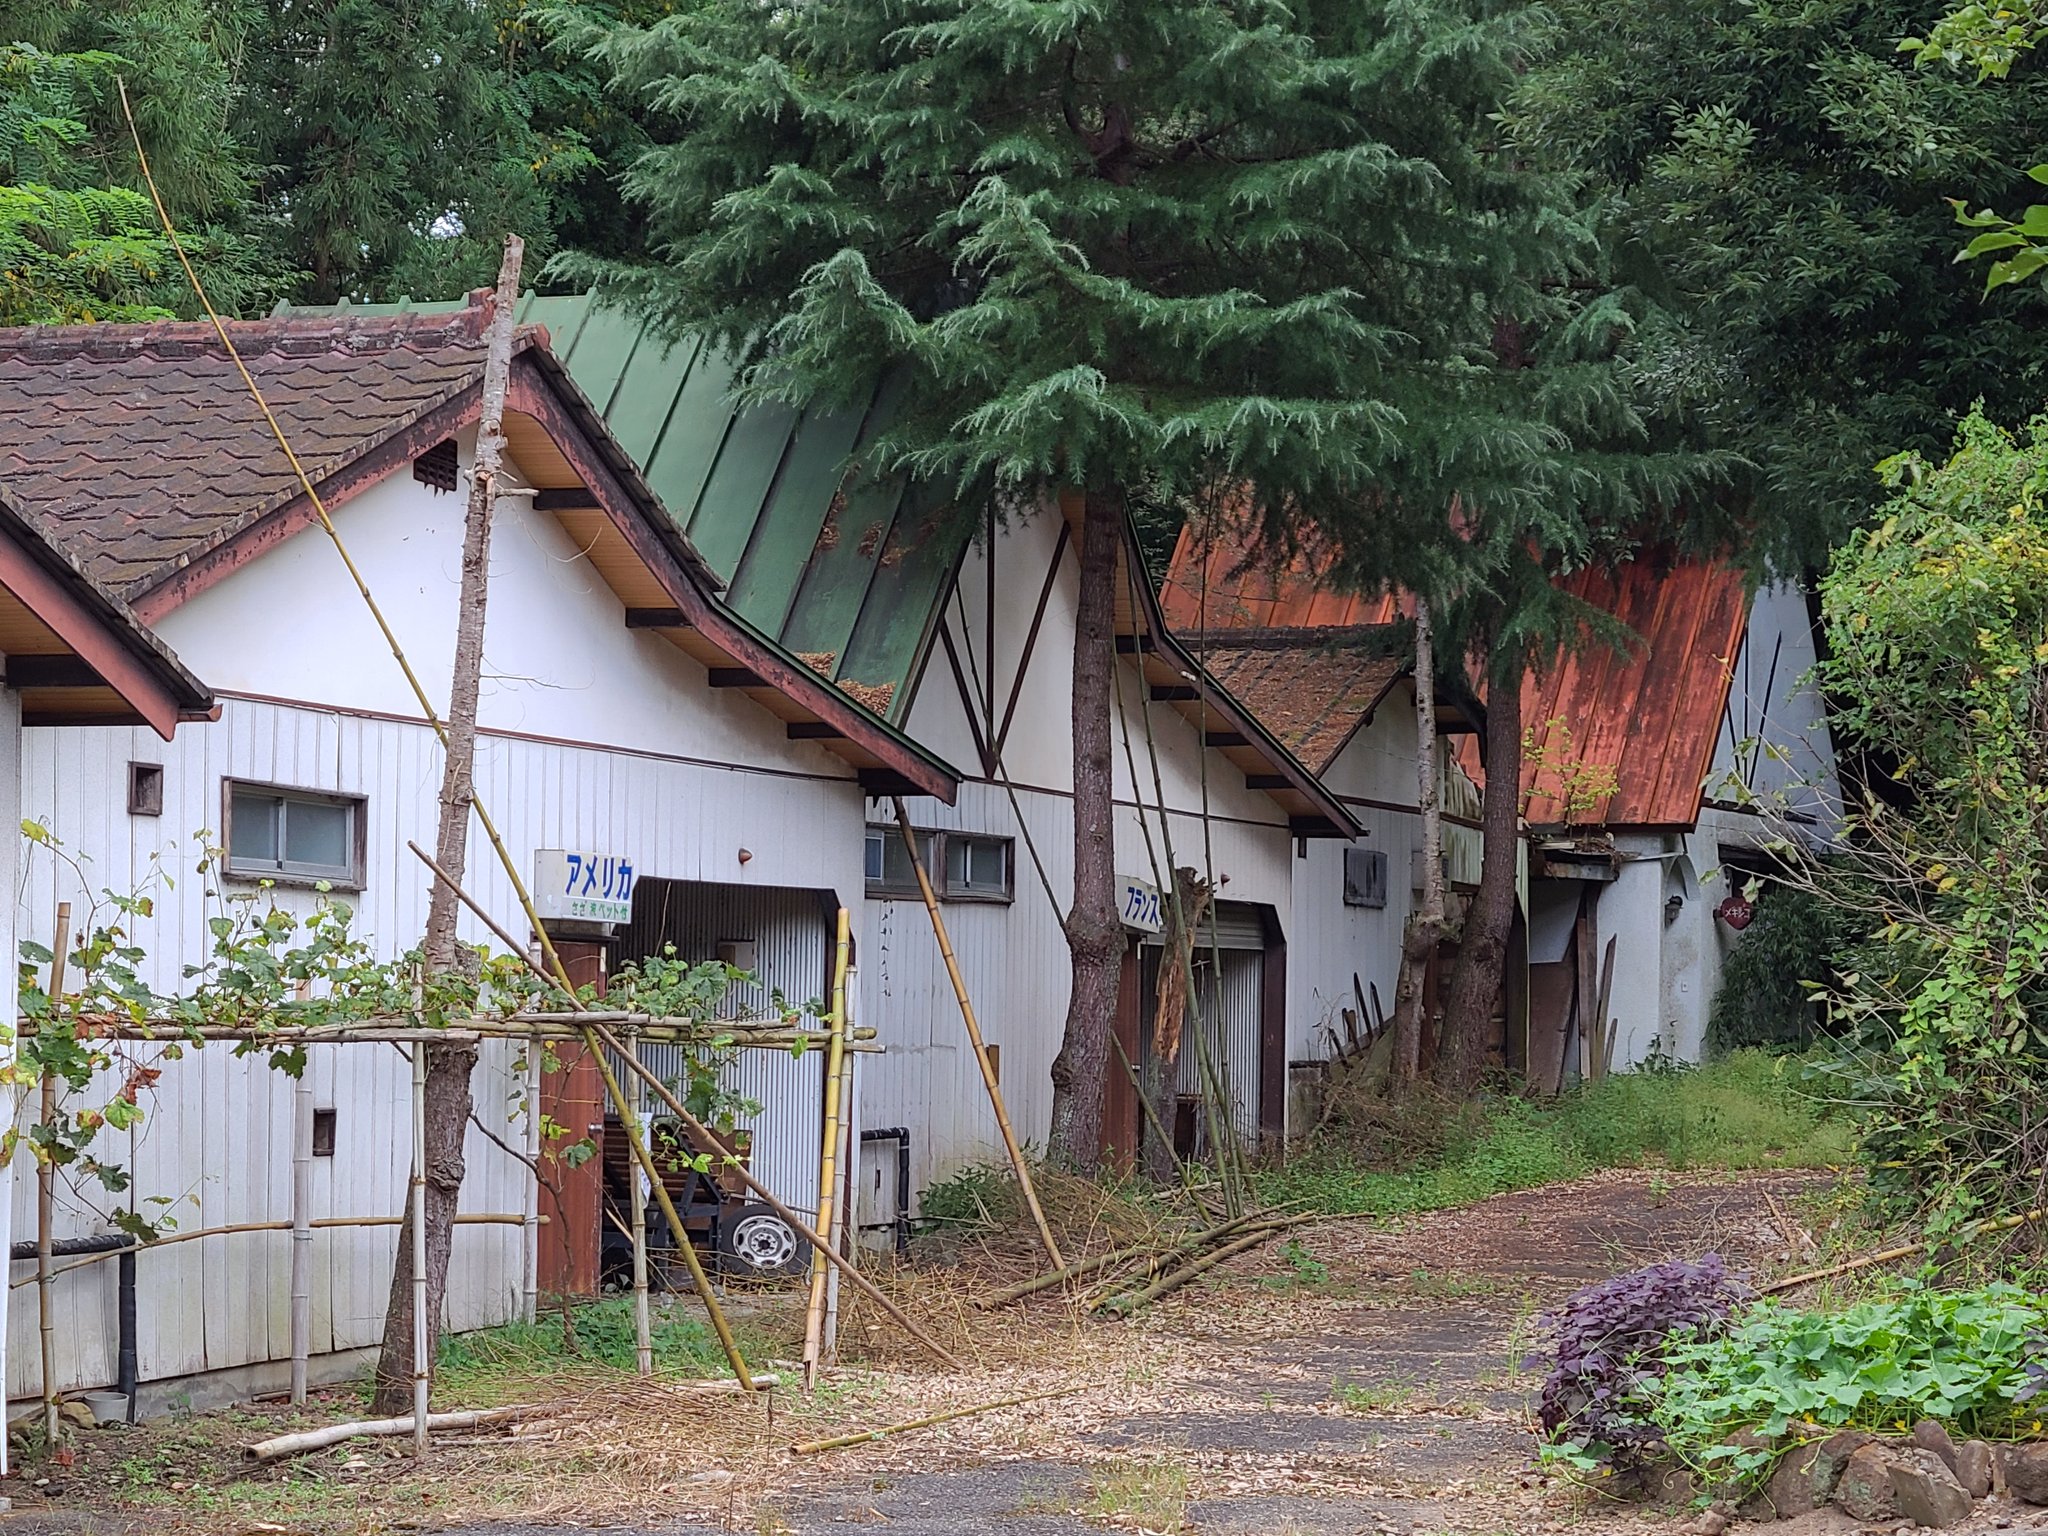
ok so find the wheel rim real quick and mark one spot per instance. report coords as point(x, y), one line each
point(763, 1242)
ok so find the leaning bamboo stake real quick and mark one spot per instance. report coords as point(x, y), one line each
point(422, 1365)
point(46, 1199)
point(643, 1323)
point(1969, 1234)
point(867, 1436)
point(988, 1072)
point(1155, 1257)
point(630, 1121)
point(696, 1128)
point(828, 1151)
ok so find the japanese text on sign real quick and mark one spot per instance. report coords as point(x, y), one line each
point(583, 887)
point(1138, 904)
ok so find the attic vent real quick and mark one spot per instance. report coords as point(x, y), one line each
point(436, 467)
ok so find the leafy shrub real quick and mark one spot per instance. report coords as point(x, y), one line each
point(1612, 1343)
point(1970, 1359)
point(979, 1195)
point(1764, 998)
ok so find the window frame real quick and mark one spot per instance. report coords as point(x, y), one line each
point(341, 878)
point(937, 861)
point(966, 892)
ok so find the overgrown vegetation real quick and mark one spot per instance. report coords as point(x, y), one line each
point(1667, 1361)
point(1769, 980)
point(1936, 667)
point(473, 1367)
point(1748, 1109)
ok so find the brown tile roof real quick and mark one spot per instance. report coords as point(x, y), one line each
point(138, 447)
point(1312, 688)
point(1650, 717)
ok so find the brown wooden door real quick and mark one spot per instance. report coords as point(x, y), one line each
point(573, 1099)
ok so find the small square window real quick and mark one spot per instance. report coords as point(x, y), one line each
point(889, 872)
point(294, 835)
point(323, 1133)
point(145, 789)
point(1365, 877)
point(978, 867)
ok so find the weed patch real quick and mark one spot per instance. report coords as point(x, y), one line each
point(474, 1366)
point(1151, 1496)
point(1746, 1110)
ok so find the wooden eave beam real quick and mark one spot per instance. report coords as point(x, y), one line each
point(657, 618)
point(814, 730)
point(52, 672)
point(737, 677)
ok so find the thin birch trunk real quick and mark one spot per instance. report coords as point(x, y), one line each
point(1095, 935)
point(1426, 921)
point(449, 1067)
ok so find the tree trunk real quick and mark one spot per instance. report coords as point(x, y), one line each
point(1095, 935)
point(1475, 990)
point(449, 1066)
point(1426, 922)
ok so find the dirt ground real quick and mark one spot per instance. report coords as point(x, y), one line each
point(1364, 1379)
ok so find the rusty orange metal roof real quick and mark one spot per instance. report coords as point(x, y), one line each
point(1617, 740)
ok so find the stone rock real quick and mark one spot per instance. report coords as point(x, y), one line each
point(1804, 1479)
point(1670, 1484)
point(1928, 1494)
point(2026, 1472)
point(1930, 1436)
point(1865, 1488)
point(1973, 1468)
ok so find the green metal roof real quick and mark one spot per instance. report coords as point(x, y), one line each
point(846, 570)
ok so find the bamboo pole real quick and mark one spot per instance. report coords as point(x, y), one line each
point(704, 1138)
point(643, 1327)
point(530, 1238)
point(988, 1074)
point(630, 1122)
point(302, 1233)
point(1155, 1256)
point(828, 1150)
point(46, 1198)
point(420, 1360)
point(1970, 1233)
point(867, 1436)
point(280, 1446)
point(848, 1236)
point(1174, 1279)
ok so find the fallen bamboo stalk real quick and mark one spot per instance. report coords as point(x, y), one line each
point(1173, 1280)
point(1968, 1234)
point(866, 1436)
point(1086, 1267)
point(280, 1446)
point(704, 1138)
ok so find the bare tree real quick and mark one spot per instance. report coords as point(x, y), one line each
point(449, 1066)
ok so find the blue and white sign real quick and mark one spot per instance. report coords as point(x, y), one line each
point(575, 886)
point(1138, 904)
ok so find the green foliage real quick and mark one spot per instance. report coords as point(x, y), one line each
point(1788, 952)
point(1773, 178)
point(1141, 247)
point(1937, 666)
point(75, 246)
point(1745, 1110)
point(979, 1195)
point(1960, 1357)
point(471, 1365)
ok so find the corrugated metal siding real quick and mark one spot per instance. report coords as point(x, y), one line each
point(216, 1137)
point(1226, 1019)
point(793, 937)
